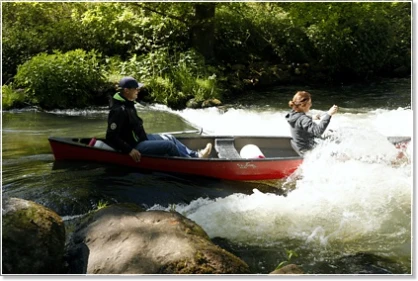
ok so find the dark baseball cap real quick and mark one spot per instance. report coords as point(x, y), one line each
point(129, 82)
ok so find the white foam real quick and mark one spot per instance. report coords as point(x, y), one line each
point(350, 192)
point(215, 121)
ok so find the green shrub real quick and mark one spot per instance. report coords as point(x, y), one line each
point(12, 98)
point(172, 79)
point(31, 28)
point(351, 40)
point(69, 80)
point(337, 39)
point(164, 92)
point(207, 88)
point(258, 32)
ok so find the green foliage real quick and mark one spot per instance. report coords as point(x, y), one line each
point(12, 98)
point(259, 32)
point(399, 19)
point(111, 27)
point(337, 41)
point(35, 27)
point(163, 90)
point(172, 78)
point(61, 80)
point(350, 39)
point(102, 204)
point(343, 41)
point(207, 88)
point(289, 254)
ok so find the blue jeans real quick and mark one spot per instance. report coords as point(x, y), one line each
point(161, 145)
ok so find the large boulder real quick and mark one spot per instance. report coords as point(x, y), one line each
point(33, 238)
point(123, 239)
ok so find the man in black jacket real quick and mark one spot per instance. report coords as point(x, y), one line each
point(125, 131)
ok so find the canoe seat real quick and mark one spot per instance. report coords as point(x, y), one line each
point(226, 148)
point(100, 144)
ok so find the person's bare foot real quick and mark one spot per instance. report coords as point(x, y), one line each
point(204, 153)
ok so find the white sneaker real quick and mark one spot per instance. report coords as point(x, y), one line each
point(204, 153)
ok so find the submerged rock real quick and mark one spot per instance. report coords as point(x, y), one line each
point(193, 103)
point(288, 269)
point(211, 103)
point(33, 238)
point(123, 239)
point(358, 263)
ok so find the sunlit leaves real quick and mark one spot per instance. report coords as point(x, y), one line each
point(61, 80)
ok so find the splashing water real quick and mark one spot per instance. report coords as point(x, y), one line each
point(351, 193)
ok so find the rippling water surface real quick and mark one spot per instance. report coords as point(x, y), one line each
point(346, 210)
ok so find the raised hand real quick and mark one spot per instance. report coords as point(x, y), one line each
point(333, 110)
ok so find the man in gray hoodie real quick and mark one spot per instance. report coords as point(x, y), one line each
point(302, 127)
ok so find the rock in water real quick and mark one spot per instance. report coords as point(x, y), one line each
point(33, 238)
point(123, 239)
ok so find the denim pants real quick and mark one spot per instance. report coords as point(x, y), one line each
point(161, 145)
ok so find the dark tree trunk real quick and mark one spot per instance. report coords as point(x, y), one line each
point(203, 31)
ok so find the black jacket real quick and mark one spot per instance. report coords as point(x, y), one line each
point(124, 127)
point(304, 130)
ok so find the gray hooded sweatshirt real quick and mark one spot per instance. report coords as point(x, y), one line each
point(303, 130)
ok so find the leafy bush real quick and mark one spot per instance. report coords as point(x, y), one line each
point(12, 98)
point(32, 28)
point(351, 40)
point(206, 88)
point(259, 32)
point(172, 79)
point(400, 53)
point(68, 80)
point(164, 92)
point(348, 47)
point(336, 39)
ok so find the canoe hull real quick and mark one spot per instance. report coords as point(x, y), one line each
point(224, 162)
point(228, 169)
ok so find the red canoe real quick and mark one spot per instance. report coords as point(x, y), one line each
point(225, 162)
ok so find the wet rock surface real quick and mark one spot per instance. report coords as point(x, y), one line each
point(123, 239)
point(33, 238)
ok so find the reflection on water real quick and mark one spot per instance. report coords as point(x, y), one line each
point(343, 215)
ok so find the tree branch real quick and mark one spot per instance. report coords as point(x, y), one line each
point(161, 13)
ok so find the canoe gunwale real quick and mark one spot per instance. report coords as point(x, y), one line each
point(70, 141)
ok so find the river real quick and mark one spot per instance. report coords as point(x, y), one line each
point(340, 216)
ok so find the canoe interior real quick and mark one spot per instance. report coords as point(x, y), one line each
point(271, 147)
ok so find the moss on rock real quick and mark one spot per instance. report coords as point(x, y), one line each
point(33, 238)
